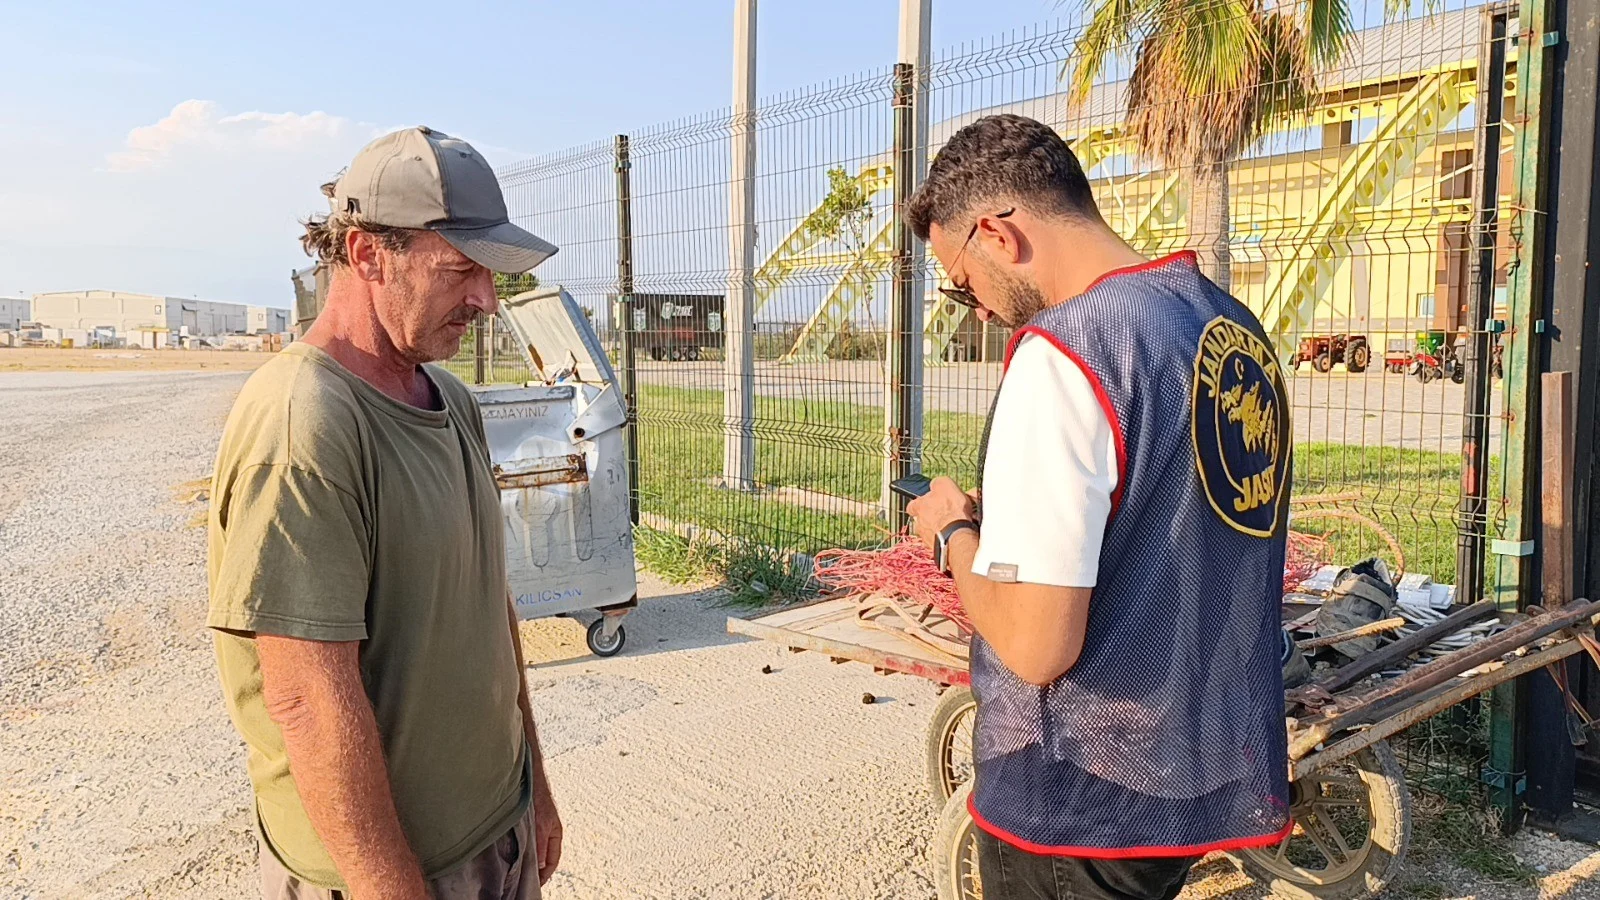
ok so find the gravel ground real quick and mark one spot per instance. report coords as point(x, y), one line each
point(682, 769)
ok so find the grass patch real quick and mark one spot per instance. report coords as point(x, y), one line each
point(752, 575)
point(835, 449)
point(1445, 831)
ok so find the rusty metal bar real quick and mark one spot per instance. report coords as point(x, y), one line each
point(1371, 706)
point(1380, 627)
point(1555, 547)
point(1425, 706)
point(1386, 656)
point(541, 471)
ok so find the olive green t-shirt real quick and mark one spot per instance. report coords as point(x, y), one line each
point(341, 514)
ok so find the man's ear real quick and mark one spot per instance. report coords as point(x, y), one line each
point(1006, 242)
point(361, 249)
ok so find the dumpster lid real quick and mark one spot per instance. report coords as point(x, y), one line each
point(556, 338)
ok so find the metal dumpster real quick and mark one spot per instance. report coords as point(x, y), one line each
point(559, 458)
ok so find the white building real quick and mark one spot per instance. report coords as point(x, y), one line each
point(129, 313)
point(13, 312)
point(267, 320)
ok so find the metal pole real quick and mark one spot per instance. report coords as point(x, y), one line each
point(1473, 520)
point(905, 342)
point(738, 395)
point(1574, 258)
point(1568, 554)
point(624, 311)
point(903, 401)
point(1536, 50)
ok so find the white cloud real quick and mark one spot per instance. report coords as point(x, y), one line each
point(202, 202)
point(197, 125)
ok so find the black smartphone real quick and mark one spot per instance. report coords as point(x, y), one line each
point(911, 487)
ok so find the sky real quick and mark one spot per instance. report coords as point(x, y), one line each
point(169, 148)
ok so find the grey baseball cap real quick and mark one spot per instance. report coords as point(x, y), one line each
point(421, 178)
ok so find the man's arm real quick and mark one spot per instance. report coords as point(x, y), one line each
point(547, 830)
point(313, 691)
point(1035, 629)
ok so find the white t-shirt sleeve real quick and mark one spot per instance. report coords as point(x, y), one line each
point(1050, 473)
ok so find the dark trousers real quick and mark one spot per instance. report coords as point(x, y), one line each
point(1009, 873)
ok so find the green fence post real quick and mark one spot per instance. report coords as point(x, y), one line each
point(1514, 587)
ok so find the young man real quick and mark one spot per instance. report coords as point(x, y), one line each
point(1126, 578)
point(365, 638)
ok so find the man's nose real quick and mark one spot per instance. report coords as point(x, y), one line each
point(481, 295)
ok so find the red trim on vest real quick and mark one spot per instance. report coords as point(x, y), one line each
point(1146, 266)
point(1099, 393)
point(1248, 843)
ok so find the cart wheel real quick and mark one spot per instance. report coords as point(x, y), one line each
point(599, 646)
point(949, 750)
point(955, 850)
point(1352, 823)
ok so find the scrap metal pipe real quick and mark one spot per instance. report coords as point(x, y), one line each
point(1372, 706)
point(1424, 706)
point(1386, 656)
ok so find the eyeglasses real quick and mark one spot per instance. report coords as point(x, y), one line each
point(959, 294)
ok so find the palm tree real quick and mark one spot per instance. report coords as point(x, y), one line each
point(1208, 77)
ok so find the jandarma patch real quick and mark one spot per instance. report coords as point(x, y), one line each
point(1241, 427)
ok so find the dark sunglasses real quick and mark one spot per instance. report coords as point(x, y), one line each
point(959, 294)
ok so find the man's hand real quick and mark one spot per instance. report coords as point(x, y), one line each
point(942, 504)
point(546, 828)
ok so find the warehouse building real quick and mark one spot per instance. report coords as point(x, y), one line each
point(267, 320)
point(13, 312)
point(128, 314)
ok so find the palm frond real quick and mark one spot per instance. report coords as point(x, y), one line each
point(1110, 35)
point(1327, 31)
point(1400, 9)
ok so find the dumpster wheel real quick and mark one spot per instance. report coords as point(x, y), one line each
point(602, 645)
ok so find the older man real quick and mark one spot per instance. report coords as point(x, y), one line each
point(366, 645)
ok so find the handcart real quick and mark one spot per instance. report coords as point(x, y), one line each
point(1349, 801)
point(559, 460)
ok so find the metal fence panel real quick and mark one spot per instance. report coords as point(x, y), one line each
point(1366, 230)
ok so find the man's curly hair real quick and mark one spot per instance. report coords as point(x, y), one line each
point(325, 235)
point(1002, 160)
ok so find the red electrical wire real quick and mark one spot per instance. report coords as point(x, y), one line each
point(905, 571)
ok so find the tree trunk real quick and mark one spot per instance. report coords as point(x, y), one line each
point(1209, 225)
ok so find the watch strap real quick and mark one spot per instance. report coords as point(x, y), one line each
point(941, 556)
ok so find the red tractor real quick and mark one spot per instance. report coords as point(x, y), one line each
point(1323, 350)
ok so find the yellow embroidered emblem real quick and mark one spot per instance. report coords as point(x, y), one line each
point(1240, 427)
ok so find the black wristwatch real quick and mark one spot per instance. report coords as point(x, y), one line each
point(941, 544)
